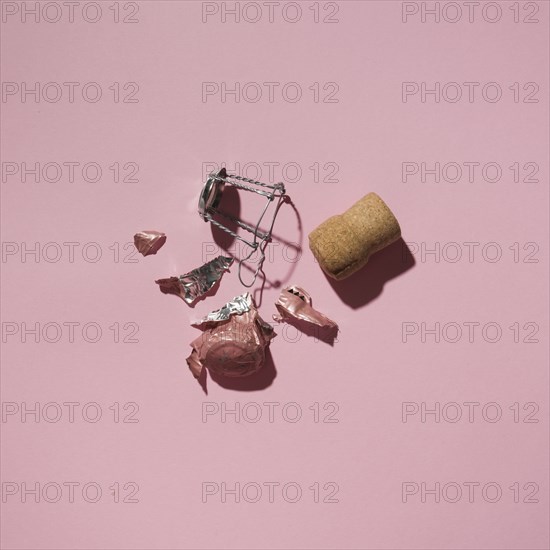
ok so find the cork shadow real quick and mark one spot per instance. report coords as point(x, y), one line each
point(368, 283)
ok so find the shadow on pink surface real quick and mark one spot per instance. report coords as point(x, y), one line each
point(232, 208)
point(255, 382)
point(226, 241)
point(367, 284)
point(357, 291)
point(327, 335)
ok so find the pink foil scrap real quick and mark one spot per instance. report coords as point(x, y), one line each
point(149, 242)
point(234, 342)
point(295, 303)
point(191, 286)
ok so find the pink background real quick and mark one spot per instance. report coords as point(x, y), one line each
point(170, 132)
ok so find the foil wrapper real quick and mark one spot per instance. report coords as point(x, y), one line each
point(149, 242)
point(191, 286)
point(237, 306)
point(234, 342)
point(294, 303)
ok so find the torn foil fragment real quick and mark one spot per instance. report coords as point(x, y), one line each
point(295, 303)
point(234, 343)
point(196, 283)
point(239, 304)
point(149, 242)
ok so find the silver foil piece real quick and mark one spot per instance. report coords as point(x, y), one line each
point(237, 306)
point(191, 286)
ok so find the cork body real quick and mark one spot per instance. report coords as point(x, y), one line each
point(344, 243)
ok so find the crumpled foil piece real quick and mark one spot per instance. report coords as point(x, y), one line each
point(237, 306)
point(295, 303)
point(191, 286)
point(149, 242)
point(234, 342)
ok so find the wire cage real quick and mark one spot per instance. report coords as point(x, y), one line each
point(209, 202)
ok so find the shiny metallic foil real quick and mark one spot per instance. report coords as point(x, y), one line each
point(149, 242)
point(237, 306)
point(295, 303)
point(191, 286)
point(234, 342)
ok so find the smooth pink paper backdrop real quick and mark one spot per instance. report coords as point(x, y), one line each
point(369, 373)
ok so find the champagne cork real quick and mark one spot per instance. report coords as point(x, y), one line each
point(344, 243)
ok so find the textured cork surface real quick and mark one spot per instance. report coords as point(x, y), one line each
point(344, 243)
